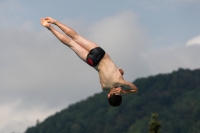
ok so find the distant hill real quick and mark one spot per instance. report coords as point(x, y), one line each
point(174, 97)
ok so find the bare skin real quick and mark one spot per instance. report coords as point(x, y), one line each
point(111, 78)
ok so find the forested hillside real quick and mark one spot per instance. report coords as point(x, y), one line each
point(174, 97)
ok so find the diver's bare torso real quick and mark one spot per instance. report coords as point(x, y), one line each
point(109, 75)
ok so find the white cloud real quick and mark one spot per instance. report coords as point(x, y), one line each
point(14, 119)
point(165, 60)
point(194, 41)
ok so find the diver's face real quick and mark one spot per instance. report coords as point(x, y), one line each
point(116, 91)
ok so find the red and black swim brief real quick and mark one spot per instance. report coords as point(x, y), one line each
point(94, 57)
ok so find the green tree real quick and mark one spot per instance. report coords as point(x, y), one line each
point(173, 96)
point(154, 124)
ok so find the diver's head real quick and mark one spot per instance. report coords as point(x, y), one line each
point(114, 100)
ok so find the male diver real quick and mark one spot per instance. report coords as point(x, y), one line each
point(111, 78)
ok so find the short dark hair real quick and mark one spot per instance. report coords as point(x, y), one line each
point(115, 100)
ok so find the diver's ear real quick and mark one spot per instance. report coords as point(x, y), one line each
point(108, 95)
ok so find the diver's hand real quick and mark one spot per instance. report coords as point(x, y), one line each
point(50, 20)
point(117, 91)
point(121, 71)
point(45, 23)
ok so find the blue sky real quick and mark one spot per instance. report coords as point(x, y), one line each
point(158, 18)
point(40, 76)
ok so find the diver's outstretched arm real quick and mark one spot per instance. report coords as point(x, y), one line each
point(124, 89)
point(128, 87)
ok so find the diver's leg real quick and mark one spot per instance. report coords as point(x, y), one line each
point(86, 44)
point(80, 51)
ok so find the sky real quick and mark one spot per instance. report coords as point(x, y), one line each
point(40, 76)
